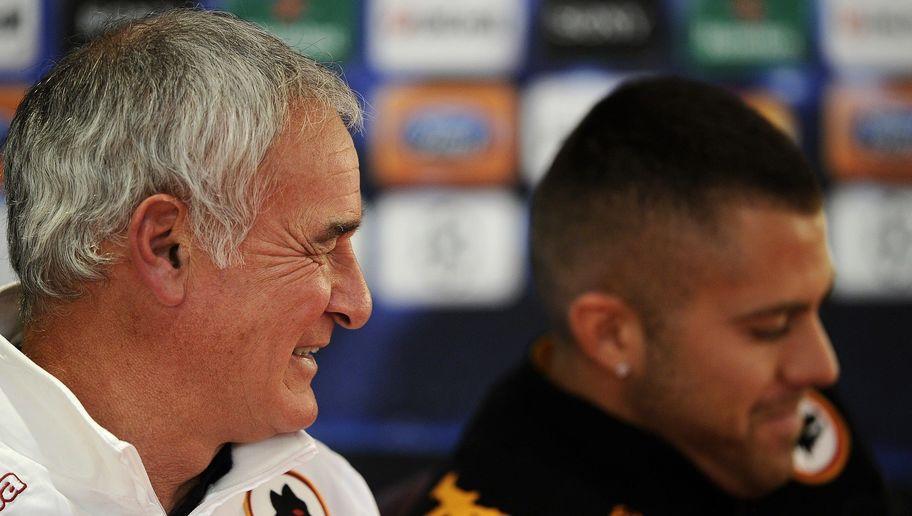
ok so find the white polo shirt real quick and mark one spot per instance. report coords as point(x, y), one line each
point(56, 460)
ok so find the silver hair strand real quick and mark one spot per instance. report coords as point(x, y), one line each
point(185, 102)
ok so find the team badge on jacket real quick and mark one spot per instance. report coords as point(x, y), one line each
point(823, 447)
point(11, 486)
point(290, 494)
point(454, 500)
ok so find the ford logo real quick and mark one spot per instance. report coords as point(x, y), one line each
point(447, 132)
point(884, 131)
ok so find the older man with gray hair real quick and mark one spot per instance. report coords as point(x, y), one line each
point(182, 194)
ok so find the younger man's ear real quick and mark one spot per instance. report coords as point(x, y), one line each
point(607, 331)
point(158, 241)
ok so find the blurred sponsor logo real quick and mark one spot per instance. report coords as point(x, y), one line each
point(747, 32)
point(597, 23)
point(599, 27)
point(441, 36)
point(444, 134)
point(869, 132)
point(775, 110)
point(449, 248)
point(551, 109)
point(10, 97)
point(871, 229)
point(20, 25)
point(447, 133)
point(322, 29)
point(870, 34)
point(884, 131)
point(443, 24)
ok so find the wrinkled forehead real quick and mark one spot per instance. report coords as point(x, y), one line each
point(313, 140)
point(316, 168)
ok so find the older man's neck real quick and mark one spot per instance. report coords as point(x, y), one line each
point(111, 378)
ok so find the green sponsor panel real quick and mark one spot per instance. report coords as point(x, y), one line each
point(321, 29)
point(731, 33)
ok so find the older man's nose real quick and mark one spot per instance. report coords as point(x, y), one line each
point(350, 302)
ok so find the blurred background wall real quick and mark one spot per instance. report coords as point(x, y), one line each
point(469, 99)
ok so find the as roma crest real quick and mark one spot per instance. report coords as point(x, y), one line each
point(823, 447)
point(290, 494)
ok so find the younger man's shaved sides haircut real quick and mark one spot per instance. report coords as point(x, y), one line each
point(641, 179)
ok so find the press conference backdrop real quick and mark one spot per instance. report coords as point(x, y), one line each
point(468, 101)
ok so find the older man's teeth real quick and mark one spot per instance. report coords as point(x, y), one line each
point(305, 351)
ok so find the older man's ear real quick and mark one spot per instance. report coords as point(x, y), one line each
point(158, 242)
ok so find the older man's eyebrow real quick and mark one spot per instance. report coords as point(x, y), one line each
point(334, 230)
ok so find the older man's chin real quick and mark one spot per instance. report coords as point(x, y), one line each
point(300, 410)
point(287, 411)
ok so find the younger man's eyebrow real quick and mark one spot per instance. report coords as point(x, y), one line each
point(788, 307)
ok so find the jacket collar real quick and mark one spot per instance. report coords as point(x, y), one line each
point(45, 422)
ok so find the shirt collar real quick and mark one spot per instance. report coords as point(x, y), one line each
point(44, 421)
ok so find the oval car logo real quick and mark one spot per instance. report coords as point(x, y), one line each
point(887, 131)
point(447, 132)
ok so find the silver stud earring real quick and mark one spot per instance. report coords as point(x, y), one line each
point(622, 370)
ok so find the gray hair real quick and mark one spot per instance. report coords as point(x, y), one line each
point(184, 102)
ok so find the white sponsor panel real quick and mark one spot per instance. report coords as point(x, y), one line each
point(20, 28)
point(363, 242)
point(449, 248)
point(7, 275)
point(875, 34)
point(550, 109)
point(470, 37)
point(871, 235)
